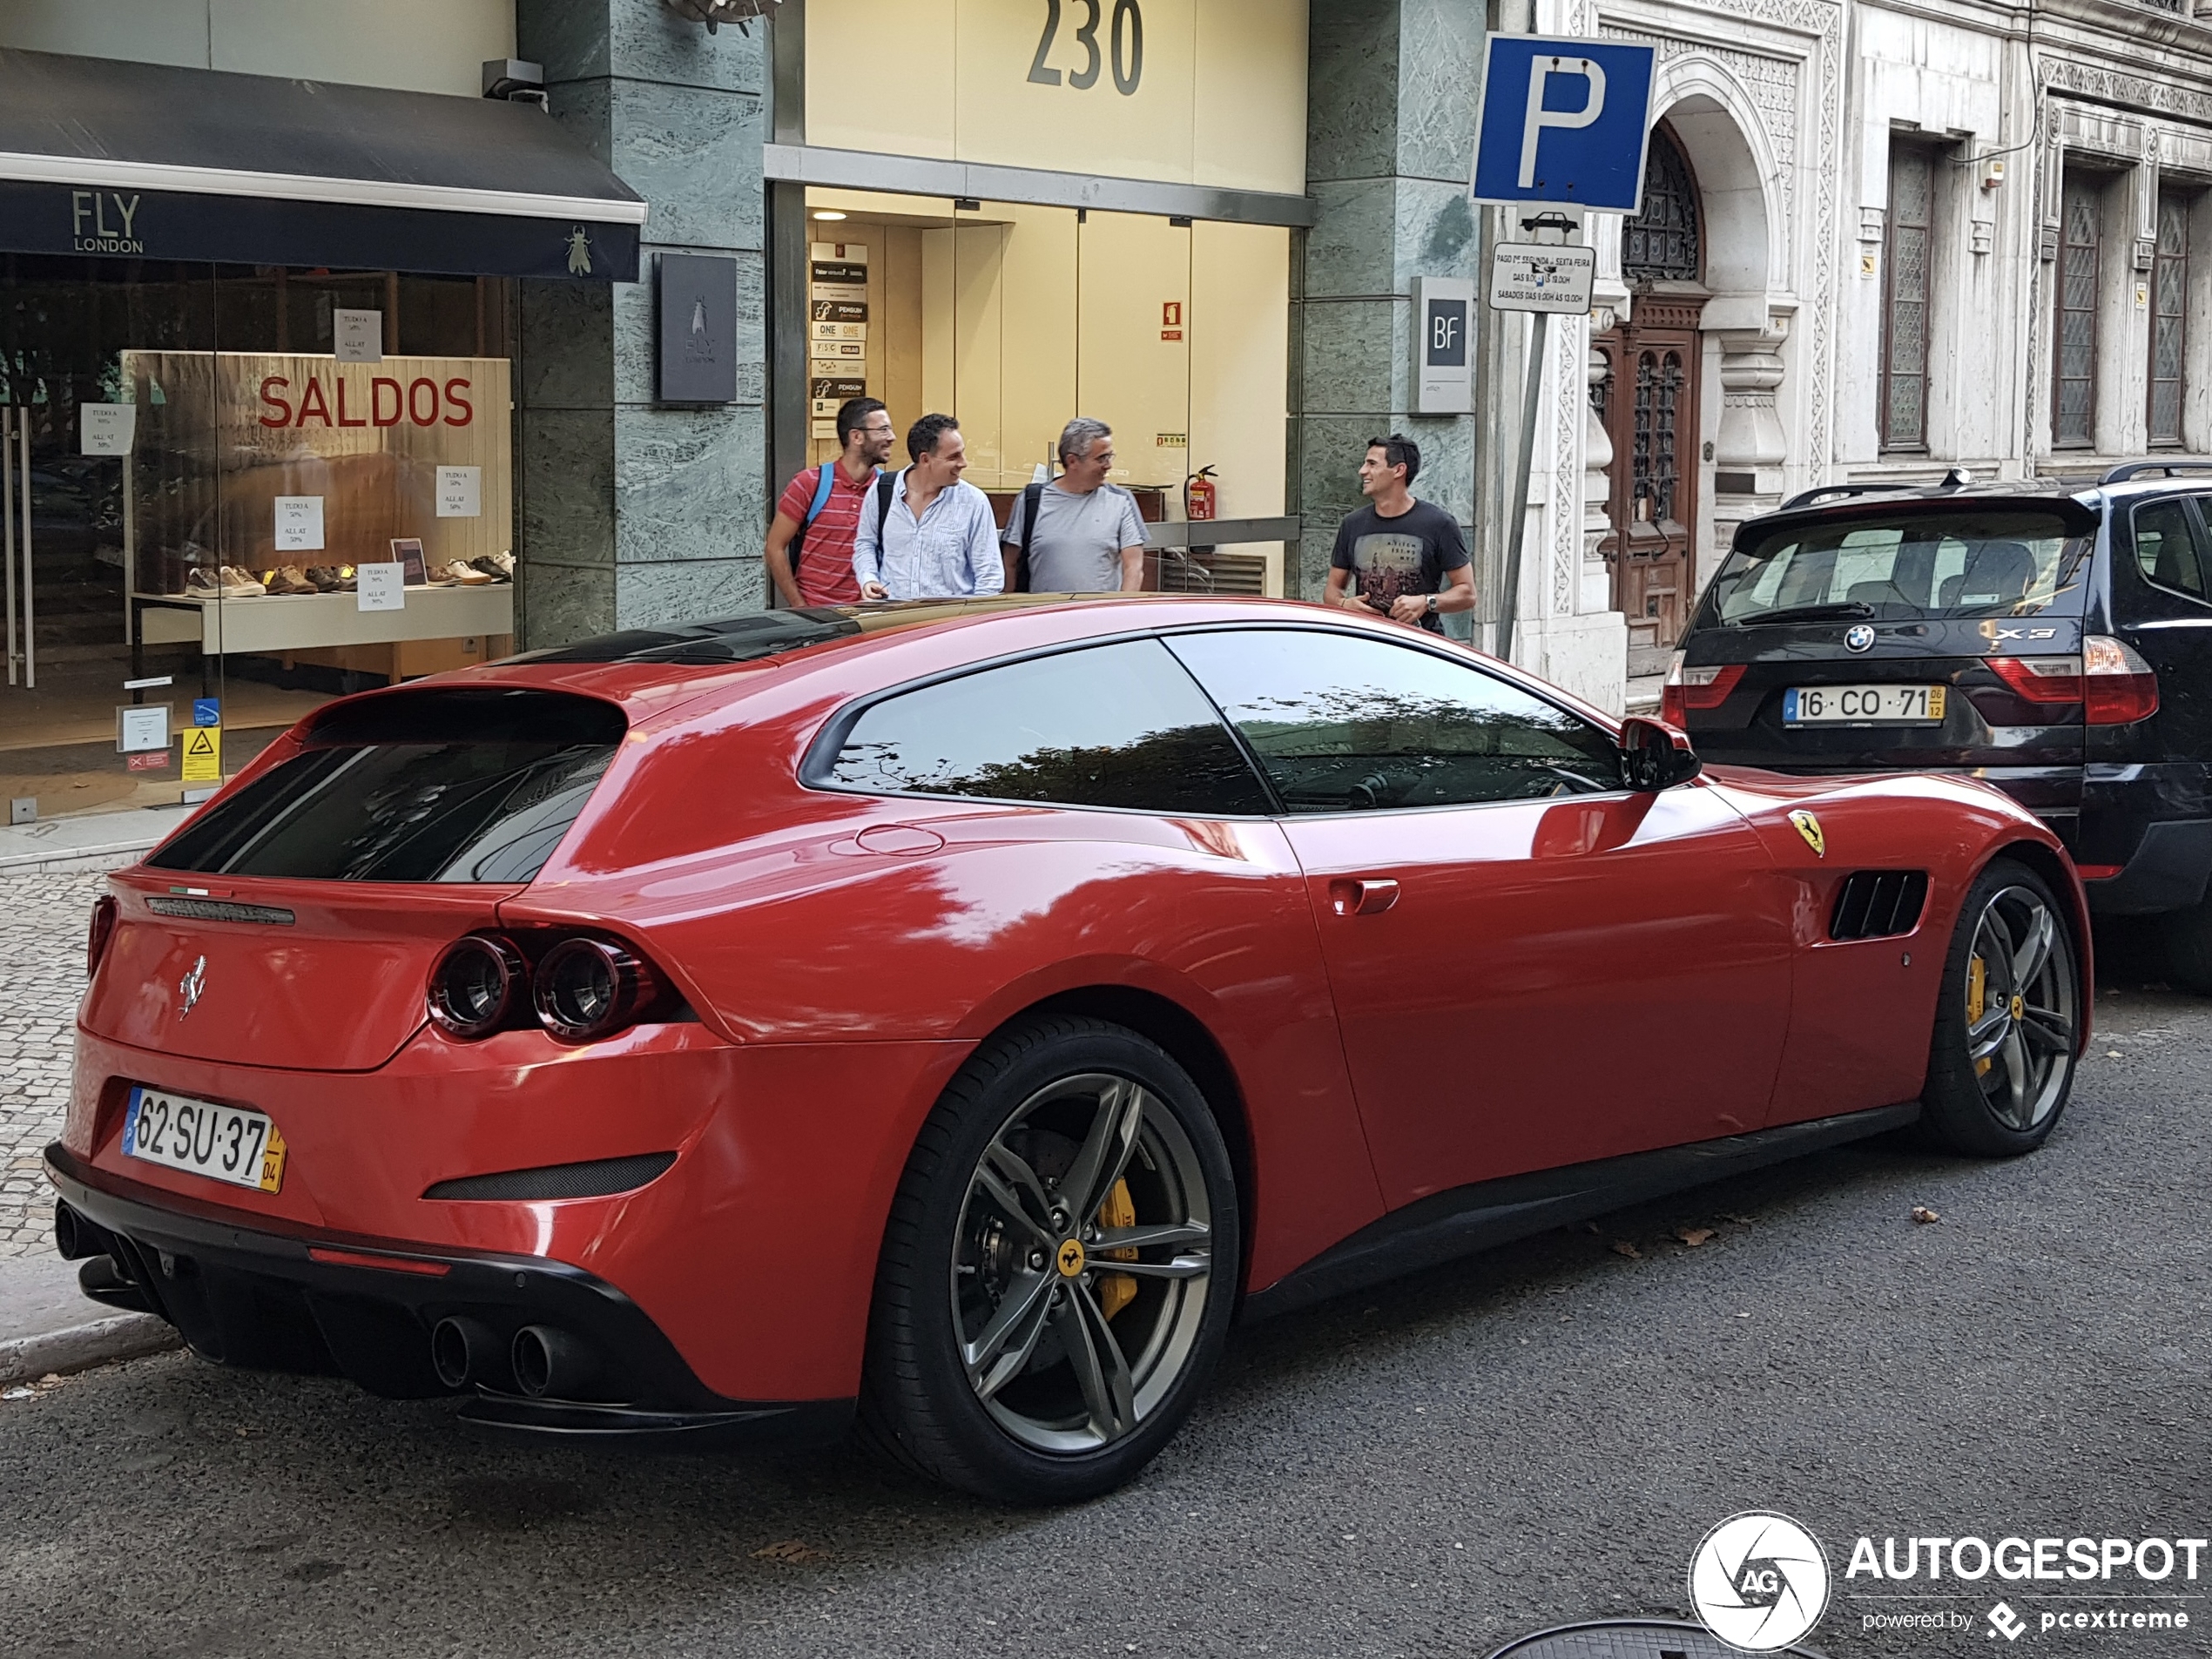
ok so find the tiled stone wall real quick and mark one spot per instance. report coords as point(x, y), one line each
point(634, 514)
point(1390, 141)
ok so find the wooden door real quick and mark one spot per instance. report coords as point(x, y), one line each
point(1649, 403)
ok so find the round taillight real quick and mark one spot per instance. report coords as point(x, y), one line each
point(103, 912)
point(473, 987)
point(587, 989)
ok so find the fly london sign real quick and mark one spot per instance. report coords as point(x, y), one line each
point(102, 222)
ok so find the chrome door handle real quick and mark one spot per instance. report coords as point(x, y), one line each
point(1362, 896)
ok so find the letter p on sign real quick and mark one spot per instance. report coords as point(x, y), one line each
point(1563, 122)
point(1538, 118)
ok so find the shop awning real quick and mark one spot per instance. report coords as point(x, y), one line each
point(128, 160)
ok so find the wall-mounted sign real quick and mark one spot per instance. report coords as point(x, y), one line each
point(1540, 276)
point(699, 328)
point(298, 523)
point(204, 755)
point(837, 311)
point(1443, 375)
point(357, 336)
point(106, 429)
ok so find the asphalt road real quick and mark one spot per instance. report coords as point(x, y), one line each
point(1538, 1436)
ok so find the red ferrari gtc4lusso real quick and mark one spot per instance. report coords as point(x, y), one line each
point(954, 1016)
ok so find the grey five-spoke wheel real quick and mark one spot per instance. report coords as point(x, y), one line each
point(2008, 1028)
point(1084, 1263)
point(1059, 1269)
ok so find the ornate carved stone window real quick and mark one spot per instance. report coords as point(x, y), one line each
point(2169, 289)
point(1904, 297)
point(1663, 242)
point(2073, 346)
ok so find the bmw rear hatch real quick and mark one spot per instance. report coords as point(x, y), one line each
point(1901, 633)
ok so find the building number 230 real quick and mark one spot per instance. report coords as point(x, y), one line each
point(1128, 50)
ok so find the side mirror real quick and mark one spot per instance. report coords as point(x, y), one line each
point(1655, 755)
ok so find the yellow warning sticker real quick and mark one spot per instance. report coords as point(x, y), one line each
point(203, 754)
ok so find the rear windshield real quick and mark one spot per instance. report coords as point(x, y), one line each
point(1998, 563)
point(454, 786)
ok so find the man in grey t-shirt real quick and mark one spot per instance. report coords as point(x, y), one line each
point(1090, 535)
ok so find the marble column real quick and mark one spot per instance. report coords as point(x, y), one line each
point(1750, 451)
point(1390, 142)
point(1595, 587)
point(635, 514)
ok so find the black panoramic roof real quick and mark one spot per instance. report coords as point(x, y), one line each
point(728, 639)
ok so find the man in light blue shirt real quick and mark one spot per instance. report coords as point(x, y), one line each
point(936, 538)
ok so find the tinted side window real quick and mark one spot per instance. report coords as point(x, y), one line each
point(1111, 726)
point(2167, 549)
point(1343, 724)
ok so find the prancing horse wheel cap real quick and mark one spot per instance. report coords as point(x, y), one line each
point(1629, 1639)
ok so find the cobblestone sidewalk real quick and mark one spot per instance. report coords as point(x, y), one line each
point(42, 976)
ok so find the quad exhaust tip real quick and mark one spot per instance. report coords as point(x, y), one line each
point(463, 1350)
point(550, 1364)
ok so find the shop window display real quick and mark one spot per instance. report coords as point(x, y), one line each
point(199, 485)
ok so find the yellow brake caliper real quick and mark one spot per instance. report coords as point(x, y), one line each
point(1977, 999)
point(1116, 1291)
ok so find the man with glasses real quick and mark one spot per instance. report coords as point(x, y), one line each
point(820, 511)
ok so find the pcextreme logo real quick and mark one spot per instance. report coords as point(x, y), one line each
point(1759, 1582)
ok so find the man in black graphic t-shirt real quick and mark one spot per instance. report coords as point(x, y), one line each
point(1403, 557)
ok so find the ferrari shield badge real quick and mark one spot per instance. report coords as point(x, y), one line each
point(1809, 827)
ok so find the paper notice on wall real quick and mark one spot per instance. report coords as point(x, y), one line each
point(460, 492)
point(358, 336)
point(298, 523)
point(380, 587)
point(140, 727)
point(204, 755)
point(106, 429)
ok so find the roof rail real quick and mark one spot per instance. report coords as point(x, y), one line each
point(1806, 497)
point(2127, 470)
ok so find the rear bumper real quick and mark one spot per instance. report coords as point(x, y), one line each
point(2168, 871)
point(278, 1297)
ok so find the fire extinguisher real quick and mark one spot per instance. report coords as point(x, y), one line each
point(1198, 491)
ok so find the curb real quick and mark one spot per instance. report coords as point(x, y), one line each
point(80, 1347)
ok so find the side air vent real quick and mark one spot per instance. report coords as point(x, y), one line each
point(1877, 904)
point(602, 1178)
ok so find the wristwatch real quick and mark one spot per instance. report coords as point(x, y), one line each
point(1432, 604)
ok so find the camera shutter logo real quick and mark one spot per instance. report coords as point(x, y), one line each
point(1759, 1582)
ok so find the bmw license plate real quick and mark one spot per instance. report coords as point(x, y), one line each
point(1863, 706)
point(222, 1142)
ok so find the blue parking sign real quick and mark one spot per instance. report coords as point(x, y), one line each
point(1563, 122)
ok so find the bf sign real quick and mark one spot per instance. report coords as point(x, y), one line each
point(1563, 122)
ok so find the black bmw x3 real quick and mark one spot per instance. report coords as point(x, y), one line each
point(2053, 638)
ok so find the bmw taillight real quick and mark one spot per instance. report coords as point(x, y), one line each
point(586, 988)
point(103, 930)
point(477, 985)
point(2118, 686)
point(1686, 688)
point(2043, 680)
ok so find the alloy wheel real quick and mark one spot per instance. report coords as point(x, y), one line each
point(2020, 1007)
point(1082, 1264)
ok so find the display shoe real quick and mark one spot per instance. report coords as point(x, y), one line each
point(203, 585)
point(459, 575)
point(347, 582)
point(504, 562)
point(490, 566)
point(288, 580)
point(240, 585)
point(323, 578)
point(439, 576)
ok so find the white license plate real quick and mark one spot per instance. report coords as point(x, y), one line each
point(1863, 706)
point(222, 1142)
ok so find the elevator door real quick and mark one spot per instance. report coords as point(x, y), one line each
point(1649, 403)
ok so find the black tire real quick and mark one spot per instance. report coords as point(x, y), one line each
point(2001, 1064)
point(2188, 946)
point(1053, 1415)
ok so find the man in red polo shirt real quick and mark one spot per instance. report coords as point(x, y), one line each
point(825, 561)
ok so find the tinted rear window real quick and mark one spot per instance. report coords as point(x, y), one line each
point(1992, 563)
point(457, 785)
